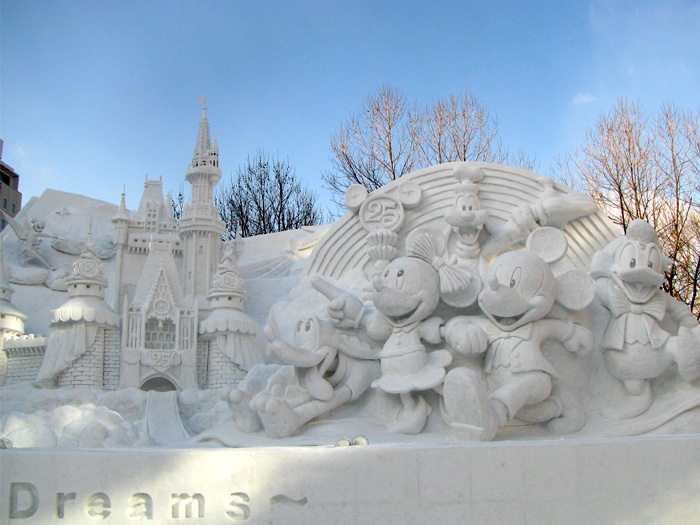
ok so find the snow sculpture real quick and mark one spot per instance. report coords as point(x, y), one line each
point(455, 301)
point(637, 346)
point(31, 233)
point(234, 347)
point(323, 369)
point(521, 290)
point(75, 326)
point(478, 240)
point(382, 216)
point(11, 319)
point(405, 296)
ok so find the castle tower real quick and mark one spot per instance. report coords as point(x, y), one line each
point(121, 229)
point(11, 319)
point(233, 344)
point(200, 227)
point(75, 349)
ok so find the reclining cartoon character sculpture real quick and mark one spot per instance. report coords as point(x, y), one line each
point(519, 293)
point(637, 349)
point(323, 369)
point(405, 296)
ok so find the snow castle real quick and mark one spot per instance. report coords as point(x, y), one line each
point(175, 317)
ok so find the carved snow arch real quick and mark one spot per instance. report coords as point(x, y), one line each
point(503, 188)
point(159, 383)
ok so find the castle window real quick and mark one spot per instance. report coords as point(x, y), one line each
point(4, 204)
point(160, 334)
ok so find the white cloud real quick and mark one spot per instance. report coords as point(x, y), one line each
point(583, 98)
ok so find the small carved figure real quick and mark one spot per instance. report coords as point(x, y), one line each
point(329, 370)
point(31, 233)
point(520, 292)
point(479, 239)
point(637, 349)
point(405, 295)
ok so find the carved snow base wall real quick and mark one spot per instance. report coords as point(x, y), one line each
point(112, 350)
point(22, 359)
point(631, 480)
point(221, 371)
point(88, 370)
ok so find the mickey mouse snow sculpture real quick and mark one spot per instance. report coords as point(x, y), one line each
point(519, 293)
point(405, 295)
point(629, 273)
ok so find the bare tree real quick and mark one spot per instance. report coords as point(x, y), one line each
point(376, 145)
point(178, 202)
point(634, 167)
point(389, 138)
point(266, 197)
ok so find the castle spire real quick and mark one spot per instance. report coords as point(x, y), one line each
point(203, 144)
point(200, 226)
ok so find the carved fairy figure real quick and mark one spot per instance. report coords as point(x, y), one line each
point(326, 368)
point(31, 233)
point(637, 344)
point(520, 291)
point(405, 295)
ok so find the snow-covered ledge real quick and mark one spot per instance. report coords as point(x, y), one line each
point(625, 480)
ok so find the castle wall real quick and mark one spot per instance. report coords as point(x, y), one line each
point(24, 356)
point(88, 370)
point(221, 371)
point(3, 366)
point(112, 352)
point(202, 363)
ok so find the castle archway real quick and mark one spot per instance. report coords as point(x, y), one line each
point(158, 384)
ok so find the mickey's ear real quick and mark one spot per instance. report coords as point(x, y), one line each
point(601, 264)
point(576, 289)
point(548, 243)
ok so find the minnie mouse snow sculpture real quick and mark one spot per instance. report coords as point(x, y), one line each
point(519, 293)
point(629, 273)
point(405, 295)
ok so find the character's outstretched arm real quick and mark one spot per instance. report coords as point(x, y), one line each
point(347, 311)
point(574, 337)
point(21, 230)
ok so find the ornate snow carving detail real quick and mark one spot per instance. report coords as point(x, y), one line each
point(162, 302)
point(455, 301)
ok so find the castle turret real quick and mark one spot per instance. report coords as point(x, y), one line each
point(200, 227)
point(121, 230)
point(233, 344)
point(11, 319)
point(75, 349)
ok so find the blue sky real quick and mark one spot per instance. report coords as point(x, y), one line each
point(97, 94)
